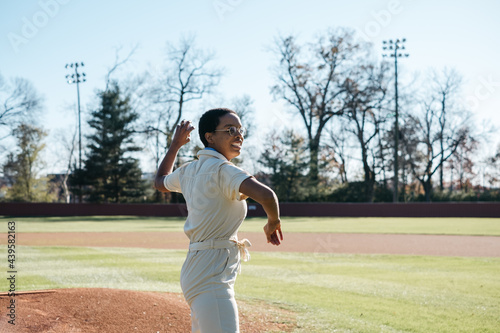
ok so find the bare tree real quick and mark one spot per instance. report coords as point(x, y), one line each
point(408, 98)
point(407, 147)
point(426, 153)
point(445, 86)
point(493, 168)
point(339, 143)
point(366, 111)
point(132, 85)
point(119, 62)
point(19, 102)
point(69, 145)
point(311, 79)
point(189, 75)
point(243, 106)
point(154, 130)
point(462, 163)
point(381, 152)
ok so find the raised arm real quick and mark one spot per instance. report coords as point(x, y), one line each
point(181, 137)
point(267, 198)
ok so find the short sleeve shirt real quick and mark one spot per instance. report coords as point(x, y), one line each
point(210, 186)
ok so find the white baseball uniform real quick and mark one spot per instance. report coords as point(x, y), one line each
point(210, 186)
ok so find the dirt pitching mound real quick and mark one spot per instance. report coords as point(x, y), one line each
point(116, 311)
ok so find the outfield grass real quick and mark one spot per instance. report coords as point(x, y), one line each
point(97, 224)
point(379, 225)
point(440, 226)
point(330, 292)
point(377, 293)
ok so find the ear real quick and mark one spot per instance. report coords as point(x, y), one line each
point(208, 137)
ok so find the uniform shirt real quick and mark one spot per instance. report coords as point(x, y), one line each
point(211, 187)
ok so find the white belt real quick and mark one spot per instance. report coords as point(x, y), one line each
point(208, 244)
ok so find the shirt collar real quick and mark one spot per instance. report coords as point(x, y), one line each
point(211, 152)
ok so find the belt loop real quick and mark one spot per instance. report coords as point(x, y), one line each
point(212, 243)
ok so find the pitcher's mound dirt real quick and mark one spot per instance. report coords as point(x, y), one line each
point(117, 311)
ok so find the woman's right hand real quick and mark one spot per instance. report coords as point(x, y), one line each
point(272, 229)
point(182, 134)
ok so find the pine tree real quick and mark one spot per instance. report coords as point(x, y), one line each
point(110, 173)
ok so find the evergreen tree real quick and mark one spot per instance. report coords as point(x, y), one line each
point(285, 156)
point(110, 173)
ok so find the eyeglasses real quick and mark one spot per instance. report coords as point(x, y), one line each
point(233, 130)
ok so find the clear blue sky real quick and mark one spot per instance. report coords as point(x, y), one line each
point(459, 34)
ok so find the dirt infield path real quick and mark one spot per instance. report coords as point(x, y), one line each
point(121, 311)
point(439, 245)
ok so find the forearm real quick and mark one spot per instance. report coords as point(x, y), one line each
point(167, 164)
point(269, 201)
point(181, 137)
point(271, 207)
point(166, 167)
point(272, 229)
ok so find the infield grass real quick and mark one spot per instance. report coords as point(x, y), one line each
point(436, 226)
point(328, 292)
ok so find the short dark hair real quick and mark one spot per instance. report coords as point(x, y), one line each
point(210, 120)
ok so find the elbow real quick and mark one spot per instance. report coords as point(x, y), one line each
point(269, 196)
point(158, 184)
point(258, 192)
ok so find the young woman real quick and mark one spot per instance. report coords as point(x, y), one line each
point(215, 191)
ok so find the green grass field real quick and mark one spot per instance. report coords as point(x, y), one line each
point(328, 292)
point(442, 226)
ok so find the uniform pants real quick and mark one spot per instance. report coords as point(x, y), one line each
point(210, 314)
point(207, 281)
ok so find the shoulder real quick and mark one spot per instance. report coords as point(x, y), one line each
point(229, 169)
point(230, 165)
point(183, 168)
point(185, 165)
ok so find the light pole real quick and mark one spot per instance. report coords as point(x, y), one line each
point(393, 49)
point(77, 78)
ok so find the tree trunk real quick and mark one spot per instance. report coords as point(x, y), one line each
point(369, 178)
point(442, 120)
point(427, 184)
point(441, 166)
point(313, 161)
point(67, 196)
point(369, 190)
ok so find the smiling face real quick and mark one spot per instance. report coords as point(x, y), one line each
point(222, 141)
